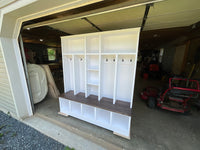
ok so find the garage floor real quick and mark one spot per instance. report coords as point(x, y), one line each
point(151, 128)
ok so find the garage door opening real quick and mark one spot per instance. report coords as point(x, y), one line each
point(163, 53)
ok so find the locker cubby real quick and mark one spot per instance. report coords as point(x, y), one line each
point(92, 89)
point(93, 78)
point(92, 44)
point(68, 75)
point(103, 116)
point(76, 108)
point(79, 71)
point(125, 73)
point(88, 112)
point(107, 75)
point(121, 42)
point(73, 45)
point(93, 62)
point(120, 122)
point(64, 105)
point(99, 77)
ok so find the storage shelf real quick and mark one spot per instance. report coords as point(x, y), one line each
point(73, 54)
point(98, 54)
point(117, 53)
point(103, 116)
point(93, 83)
point(93, 69)
point(92, 53)
point(103, 66)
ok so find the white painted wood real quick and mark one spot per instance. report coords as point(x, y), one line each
point(115, 79)
point(74, 76)
point(99, 79)
point(119, 124)
point(106, 61)
point(85, 65)
point(134, 73)
point(107, 76)
point(79, 70)
point(88, 112)
point(125, 74)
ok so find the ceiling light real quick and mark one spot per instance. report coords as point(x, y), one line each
point(155, 35)
point(41, 40)
point(28, 28)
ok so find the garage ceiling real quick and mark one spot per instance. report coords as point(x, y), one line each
point(127, 18)
point(162, 15)
point(173, 13)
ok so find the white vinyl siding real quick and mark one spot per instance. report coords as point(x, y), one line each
point(6, 97)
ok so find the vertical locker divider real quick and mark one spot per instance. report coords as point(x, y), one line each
point(115, 79)
point(64, 72)
point(74, 75)
point(133, 83)
point(85, 53)
point(129, 124)
point(95, 113)
point(99, 89)
point(70, 108)
point(81, 109)
point(135, 65)
point(111, 114)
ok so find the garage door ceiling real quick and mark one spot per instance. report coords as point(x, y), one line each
point(115, 20)
point(164, 14)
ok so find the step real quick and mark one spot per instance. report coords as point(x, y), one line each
point(177, 99)
point(175, 109)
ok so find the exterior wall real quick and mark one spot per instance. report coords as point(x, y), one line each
point(6, 97)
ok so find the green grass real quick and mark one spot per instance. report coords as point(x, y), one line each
point(1, 135)
point(14, 134)
point(68, 148)
point(2, 126)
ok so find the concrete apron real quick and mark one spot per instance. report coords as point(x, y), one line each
point(67, 134)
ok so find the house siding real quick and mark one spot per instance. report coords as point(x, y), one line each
point(6, 97)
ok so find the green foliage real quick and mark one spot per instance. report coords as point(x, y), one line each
point(51, 54)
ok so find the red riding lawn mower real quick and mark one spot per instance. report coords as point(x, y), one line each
point(175, 98)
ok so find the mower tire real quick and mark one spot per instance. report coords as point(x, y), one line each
point(151, 102)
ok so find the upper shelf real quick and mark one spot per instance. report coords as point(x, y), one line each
point(111, 42)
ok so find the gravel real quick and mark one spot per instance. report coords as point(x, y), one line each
point(15, 135)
